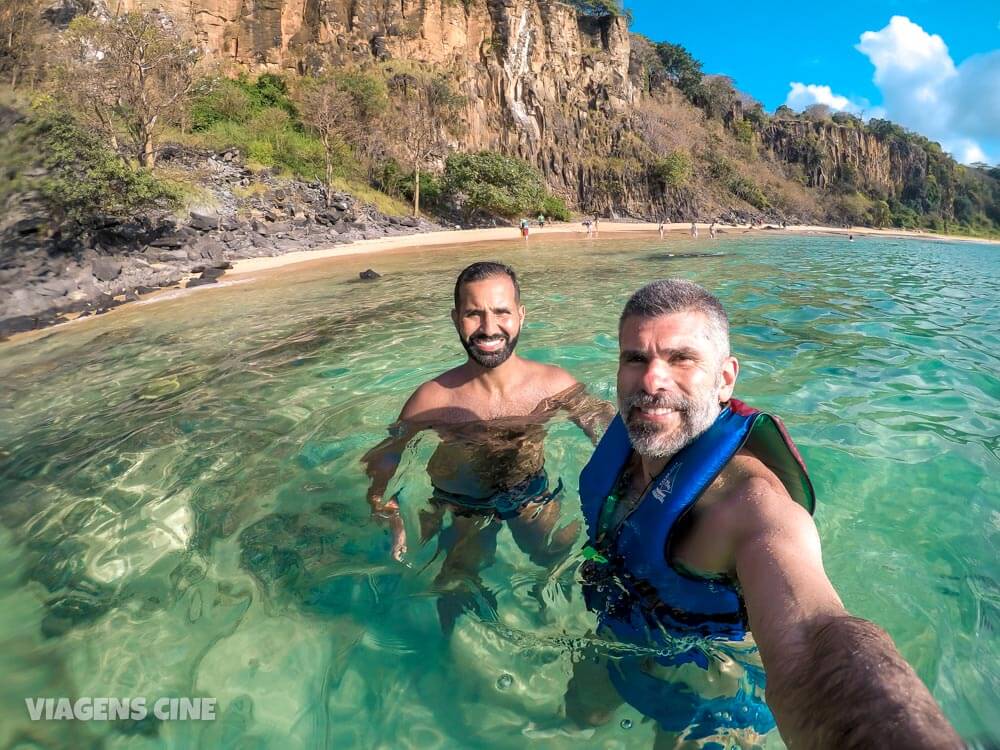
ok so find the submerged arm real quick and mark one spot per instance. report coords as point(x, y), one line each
point(589, 413)
point(381, 463)
point(833, 680)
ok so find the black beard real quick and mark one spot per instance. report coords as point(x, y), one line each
point(489, 360)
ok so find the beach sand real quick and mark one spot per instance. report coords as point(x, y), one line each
point(251, 269)
point(606, 228)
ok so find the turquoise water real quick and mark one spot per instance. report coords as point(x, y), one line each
point(183, 510)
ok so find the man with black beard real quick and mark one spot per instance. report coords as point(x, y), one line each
point(490, 414)
point(703, 552)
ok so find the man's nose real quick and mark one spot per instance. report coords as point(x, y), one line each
point(489, 326)
point(657, 377)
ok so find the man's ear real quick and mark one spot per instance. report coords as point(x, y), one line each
point(520, 313)
point(730, 371)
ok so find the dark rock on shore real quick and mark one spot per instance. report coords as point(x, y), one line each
point(48, 274)
point(370, 275)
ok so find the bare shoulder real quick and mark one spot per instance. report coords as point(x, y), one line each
point(553, 380)
point(754, 504)
point(432, 396)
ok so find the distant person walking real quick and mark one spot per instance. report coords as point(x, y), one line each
point(712, 231)
point(541, 220)
point(524, 228)
point(694, 231)
point(661, 229)
point(596, 219)
point(589, 227)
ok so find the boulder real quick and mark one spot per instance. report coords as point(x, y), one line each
point(204, 222)
point(210, 249)
point(369, 275)
point(106, 269)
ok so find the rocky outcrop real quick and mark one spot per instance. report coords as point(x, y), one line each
point(540, 82)
point(46, 278)
point(830, 153)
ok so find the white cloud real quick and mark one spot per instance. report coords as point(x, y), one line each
point(923, 90)
point(802, 95)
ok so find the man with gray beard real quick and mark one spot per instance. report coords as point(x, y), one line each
point(703, 554)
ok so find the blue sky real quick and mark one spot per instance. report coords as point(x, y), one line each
point(931, 66)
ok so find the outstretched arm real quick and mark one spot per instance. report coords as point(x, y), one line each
point(589, 413)
point(833, 680)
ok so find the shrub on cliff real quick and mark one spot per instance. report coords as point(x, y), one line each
point(748, 190)
point(493, 184)
point(673, 170)
point(598, 8)
point(554, 208)
point(84, 178)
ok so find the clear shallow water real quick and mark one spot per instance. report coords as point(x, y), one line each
point(182, 505)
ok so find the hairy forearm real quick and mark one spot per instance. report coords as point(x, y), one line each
point(845, 686)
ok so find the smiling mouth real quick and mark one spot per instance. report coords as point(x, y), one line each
point(489, 345)
point(651, 414)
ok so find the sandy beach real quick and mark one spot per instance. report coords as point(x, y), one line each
point(607, 228)
point(252, 269)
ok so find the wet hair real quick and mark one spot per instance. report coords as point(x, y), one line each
point(669, 296)
point(486, 269)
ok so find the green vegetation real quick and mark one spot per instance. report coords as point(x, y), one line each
point(84, 178)
point(261, 120)
point(746, 189)
point(674, 170)
point(681, 68)
point(491, 183)
point(598, 8)
point(554, 208)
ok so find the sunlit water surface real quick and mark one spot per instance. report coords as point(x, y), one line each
point(183, 510)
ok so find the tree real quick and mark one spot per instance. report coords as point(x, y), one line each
point(20, 26)
point(488, 182)
point(784, 112)
point(817, 112)
point(341, 108)
point(682, 69)
point(135, 67)
point(420, 102)
point(598, 8)
point(880, 214)
point(716, 95)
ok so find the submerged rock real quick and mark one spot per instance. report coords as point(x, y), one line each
point(369, 275)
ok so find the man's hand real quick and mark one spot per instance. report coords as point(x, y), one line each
point(386, 512)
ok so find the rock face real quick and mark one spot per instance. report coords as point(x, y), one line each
point(540, 82)
point(45, 277)
point(828, 152)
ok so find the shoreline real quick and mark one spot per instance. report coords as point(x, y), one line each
point(467, 236)
point(250, 269)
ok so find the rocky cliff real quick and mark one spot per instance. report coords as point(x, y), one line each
point(540, 81)
point(828, 152)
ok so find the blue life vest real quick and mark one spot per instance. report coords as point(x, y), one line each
point(629, 581)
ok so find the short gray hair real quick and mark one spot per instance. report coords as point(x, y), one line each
point(669, 296)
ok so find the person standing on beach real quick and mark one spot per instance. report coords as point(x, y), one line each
point(490, 415)
point(660, 228)
point(712, 232)
point(596, 218)
point(702, 548)
point(524, 228)
point(694, 231)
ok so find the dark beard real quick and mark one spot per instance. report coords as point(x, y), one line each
point(489, 360)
